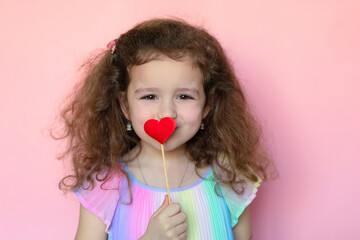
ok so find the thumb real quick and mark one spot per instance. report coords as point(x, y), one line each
point(165, 202)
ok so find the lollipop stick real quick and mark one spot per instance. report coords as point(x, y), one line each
point(167, 183)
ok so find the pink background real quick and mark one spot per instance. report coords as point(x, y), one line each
point(299, 62)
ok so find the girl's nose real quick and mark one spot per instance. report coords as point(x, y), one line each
point(167, 110)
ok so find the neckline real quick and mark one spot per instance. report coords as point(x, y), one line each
point(157, 189)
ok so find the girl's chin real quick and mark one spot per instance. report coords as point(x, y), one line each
point(168, 146)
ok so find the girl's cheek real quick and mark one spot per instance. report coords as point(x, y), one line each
point(143, 111)
point(192, 113)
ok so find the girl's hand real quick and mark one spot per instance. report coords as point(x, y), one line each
point(168, 222)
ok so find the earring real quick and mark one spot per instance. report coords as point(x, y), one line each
point(128, 126)
point(202, 126)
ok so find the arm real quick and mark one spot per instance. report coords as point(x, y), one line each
point(90, 226)
point(242, 230)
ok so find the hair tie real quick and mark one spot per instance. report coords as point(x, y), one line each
point(112, 45)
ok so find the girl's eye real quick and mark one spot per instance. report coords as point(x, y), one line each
point(150, 97)
point(184, 97)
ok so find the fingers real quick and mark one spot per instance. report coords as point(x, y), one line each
point(175, 232)
point(168, 210)
point(171, 215)
point(183, 235)
point(168, 221)
point(177, 223)
point(180, 229)
point(178, 232)
point(172, 209)
point(177, 219)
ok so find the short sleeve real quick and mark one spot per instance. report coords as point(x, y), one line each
point(102, 199)
point(238, 202)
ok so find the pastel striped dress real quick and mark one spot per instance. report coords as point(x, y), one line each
point(209, 217)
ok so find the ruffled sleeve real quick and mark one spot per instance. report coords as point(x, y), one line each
point(238, 202)
point(102, 199)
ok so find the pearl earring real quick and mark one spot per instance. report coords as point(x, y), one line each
point(202, 126)
point(128, 126)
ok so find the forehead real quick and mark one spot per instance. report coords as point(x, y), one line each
point(166, 72)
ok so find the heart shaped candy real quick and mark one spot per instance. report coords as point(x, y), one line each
point(160, 131)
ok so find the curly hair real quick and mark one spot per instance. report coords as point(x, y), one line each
point(95, 126)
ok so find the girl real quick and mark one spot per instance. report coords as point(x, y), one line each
point(162, 68)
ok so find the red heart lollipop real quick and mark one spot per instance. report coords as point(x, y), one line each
point(160, 131)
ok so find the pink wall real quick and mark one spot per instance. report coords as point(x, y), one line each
point(298, 60)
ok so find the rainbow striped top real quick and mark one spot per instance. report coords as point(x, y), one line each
point(208, 215)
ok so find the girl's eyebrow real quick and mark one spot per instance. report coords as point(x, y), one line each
point(193, 90)
point(140, 90)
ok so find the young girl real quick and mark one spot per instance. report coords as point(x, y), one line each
point(162, 68)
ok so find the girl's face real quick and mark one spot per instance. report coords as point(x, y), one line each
point(166, 88)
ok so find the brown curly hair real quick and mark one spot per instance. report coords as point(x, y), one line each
point(95, 126)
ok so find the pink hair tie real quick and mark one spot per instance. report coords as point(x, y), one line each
point(112, 45)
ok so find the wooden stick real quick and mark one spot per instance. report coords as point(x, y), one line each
point(167, 183)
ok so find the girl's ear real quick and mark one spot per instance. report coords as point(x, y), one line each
point(124, 105)
point(206, 111)
point(207, 108)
